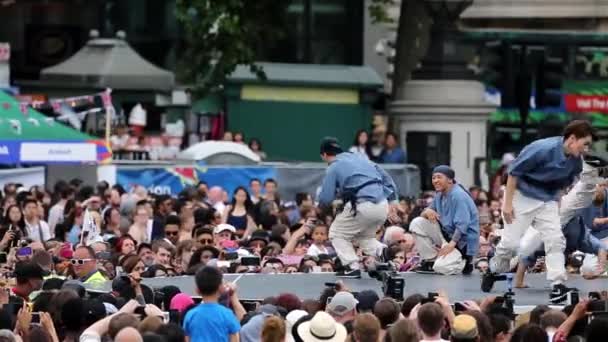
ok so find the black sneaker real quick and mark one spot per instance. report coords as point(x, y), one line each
point(560, 293)
point(488, 279)
point(468, 268)
point(595, 161)
point(426, 266)
point(348, 273)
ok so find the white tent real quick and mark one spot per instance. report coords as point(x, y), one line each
point(220, 153)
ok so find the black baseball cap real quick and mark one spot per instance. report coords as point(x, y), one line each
point(330, 145)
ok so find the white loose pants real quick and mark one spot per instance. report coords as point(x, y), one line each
point(542, 216)
point(579, 197)
point(361, 227)
point(428, 237)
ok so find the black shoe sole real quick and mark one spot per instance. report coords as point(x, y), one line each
point(350, 276)
point(556, 299)
point(487, 282)
point(596, 161)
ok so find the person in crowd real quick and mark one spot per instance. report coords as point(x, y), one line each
point(255, 187)
point(37, 229)
point(210, 321)
point(239, 138)
point(360, 145)
point(238, 213)
point(364, 189)
point(163, 208)
point(172, 229)
point(139, 228)
point(111, 222)
point(183, 254)
point(84, 263)
point(451, 216)
point(388, 312)
point(13, 229)
point(596, 216)
point(228, 136)
point(29, 276)
point(366, 328)
point(144, 251)
point(321, 328)
point(343, 308)
point(215, 199)
point(163, 252)
point(319, 241)
point(535, 179)
point(392, 152)
point(125, 246)
point(256, 146)
point(271, 191)
point(431, 321)
point(56, 211)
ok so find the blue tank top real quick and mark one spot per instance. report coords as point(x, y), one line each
point(239, 222)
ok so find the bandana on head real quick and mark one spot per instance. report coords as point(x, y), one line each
point(445, 170)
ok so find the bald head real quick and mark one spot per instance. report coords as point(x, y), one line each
point(215, 194)
point(128, 334)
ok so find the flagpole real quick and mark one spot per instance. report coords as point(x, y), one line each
point(109, 108)
point(84, 223)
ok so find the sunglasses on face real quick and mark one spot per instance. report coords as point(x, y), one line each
point(204, 241)
point(79, 261)
point(172, 233)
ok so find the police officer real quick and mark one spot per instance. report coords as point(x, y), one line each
point(365, 190)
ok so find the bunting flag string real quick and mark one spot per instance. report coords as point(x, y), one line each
point(55, 104)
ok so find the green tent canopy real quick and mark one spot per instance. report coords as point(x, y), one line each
point(34, 125)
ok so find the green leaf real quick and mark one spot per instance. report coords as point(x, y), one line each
point(220, 35)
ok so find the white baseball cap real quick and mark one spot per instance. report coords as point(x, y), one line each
point(222, 227)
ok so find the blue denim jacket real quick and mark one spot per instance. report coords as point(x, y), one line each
point(542, 169)
point(350, 171)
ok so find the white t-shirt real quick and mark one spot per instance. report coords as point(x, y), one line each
point(34, 231)
point(315, 250)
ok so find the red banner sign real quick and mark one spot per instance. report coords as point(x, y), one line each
point(586, 103)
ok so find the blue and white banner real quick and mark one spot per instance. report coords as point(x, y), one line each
point(47, 152)
point(172, 180)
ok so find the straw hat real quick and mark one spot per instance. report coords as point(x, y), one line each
point(322, 328)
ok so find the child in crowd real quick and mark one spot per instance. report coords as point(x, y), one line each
point(210, 321)
point(319, 239)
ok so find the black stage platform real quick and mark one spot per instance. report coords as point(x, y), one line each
point(310, 285)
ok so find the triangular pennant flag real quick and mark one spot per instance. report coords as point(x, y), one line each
point(16, 126)
point(23, 108)
point(56, 106)
point(33, 121)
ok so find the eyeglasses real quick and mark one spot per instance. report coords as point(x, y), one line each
point(204, 241)
point(80, 261)
point(172, 233)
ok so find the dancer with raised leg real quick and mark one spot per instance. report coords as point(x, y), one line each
point(536, 180)
point(573, 207)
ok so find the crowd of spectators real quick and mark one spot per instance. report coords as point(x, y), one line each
point(48, 258)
